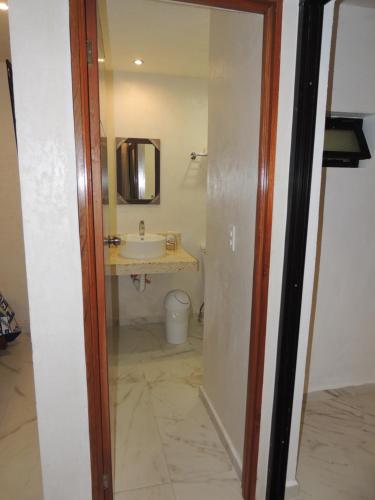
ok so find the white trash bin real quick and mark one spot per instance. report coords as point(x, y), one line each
point(177, 305)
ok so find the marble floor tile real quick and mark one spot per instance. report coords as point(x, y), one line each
point(164, 492)
point(173, 400)
point(160, 418)
point(151, 358)
point(7, 384)
point(20, 407)
point(139, 456)
point(166, 446)
point(20, 471)
point(14, 363)
point(337, 452)
point(192, 447)
point(18, 354)
point(229, 489)
point(184, 367)
point(148, 341)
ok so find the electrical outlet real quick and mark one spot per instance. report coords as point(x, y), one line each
point(232, 237)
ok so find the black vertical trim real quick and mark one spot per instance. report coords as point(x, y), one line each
point(303, 137)
point(11, 92)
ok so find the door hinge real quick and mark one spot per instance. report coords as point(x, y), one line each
point(105, 481)
point(90, 58)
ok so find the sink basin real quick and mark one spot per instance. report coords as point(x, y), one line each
point(149, 246)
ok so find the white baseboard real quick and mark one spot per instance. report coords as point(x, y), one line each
point(331, 386)
point(291, 490)
point(146, 320)
point(291, 487)
point(223, 435)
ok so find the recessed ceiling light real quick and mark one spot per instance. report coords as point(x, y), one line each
point(138, 62)
point(3, 6)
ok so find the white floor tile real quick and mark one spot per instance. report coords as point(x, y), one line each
point(337, 455)
point(192, 447)
point(208, 490)
point(139, 456)
point(20, 471)
point(164, 492)
point(159, 417)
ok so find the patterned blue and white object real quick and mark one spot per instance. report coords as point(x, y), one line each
point(8, 324)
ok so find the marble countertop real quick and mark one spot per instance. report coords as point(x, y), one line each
point(174, 261)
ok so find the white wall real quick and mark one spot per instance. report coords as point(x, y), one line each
point(354, 61)
point(343, 337)
point(343, 340)
point(174, 110)
point(233, 128)
point(43, 93)
point(12, 255)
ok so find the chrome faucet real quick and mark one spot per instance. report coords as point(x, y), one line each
point(142, 229)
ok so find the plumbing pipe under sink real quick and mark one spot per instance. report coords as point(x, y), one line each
point(140, 281)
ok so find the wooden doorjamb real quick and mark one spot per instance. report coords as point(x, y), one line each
point(266, 176)
point(86, 117)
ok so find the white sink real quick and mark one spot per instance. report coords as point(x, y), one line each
point(149, 246)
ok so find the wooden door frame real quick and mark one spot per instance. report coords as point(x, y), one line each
point(87, 135)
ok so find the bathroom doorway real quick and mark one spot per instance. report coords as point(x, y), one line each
point(162, 89)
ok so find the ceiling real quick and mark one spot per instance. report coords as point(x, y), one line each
point(4, 36)
point(171, 38)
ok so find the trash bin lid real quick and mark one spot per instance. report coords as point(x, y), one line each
point(177, 300)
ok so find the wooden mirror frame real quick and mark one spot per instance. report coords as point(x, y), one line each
point(142, 201)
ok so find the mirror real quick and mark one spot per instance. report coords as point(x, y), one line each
point(138, 171)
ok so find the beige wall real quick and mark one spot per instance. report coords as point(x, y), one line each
point(234, 115)
point(40, 41)
point(174, 110)
point(353, 63)
point(12, 254)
